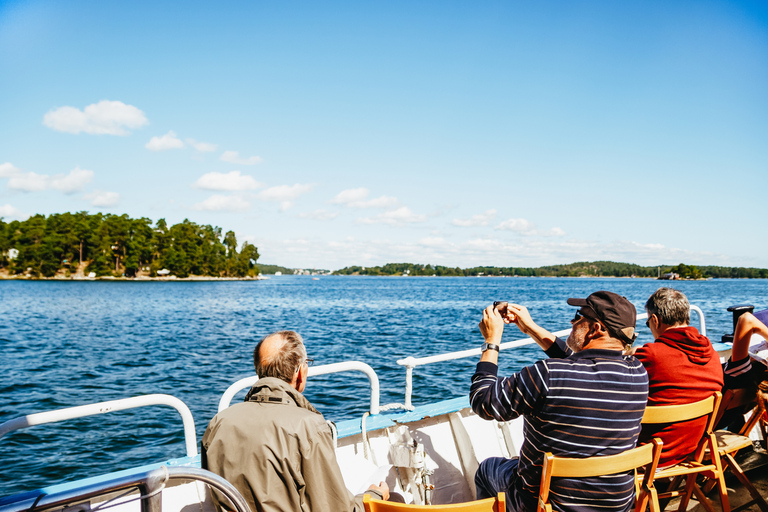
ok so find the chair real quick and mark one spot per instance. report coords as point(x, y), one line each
point(694, 466)
point(645, 456)
point(729, 443)
point(487, 505)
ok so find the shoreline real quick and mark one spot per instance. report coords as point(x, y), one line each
point(133, 279)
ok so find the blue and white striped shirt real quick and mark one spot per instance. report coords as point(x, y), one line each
point(581, 404)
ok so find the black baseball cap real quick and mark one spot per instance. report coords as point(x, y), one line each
point(615, 312)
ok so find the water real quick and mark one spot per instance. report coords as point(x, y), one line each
point(72, 343)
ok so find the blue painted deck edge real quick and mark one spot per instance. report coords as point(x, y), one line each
point(57, 488)
point(352, 427)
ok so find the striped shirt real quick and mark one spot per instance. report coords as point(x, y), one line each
point(579, 404)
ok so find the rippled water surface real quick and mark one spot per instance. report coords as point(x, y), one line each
point(72, 343)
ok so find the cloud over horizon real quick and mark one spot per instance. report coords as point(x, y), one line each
point(164, 142)
point(400, 216)
point(285, 194)
point(103, 199)
point(357, 198)
point(69, 183)
point(233, 157)
point(223, 203)
point(102, 118)
point(480, 219)
point(232, 182)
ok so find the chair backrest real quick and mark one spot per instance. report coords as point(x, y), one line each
point(496, 504)
point(645, 456)
point(684, 412)
point(733, 398)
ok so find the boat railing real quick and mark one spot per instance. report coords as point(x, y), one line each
point(344, 366)
point(411, 362)
point(82, 411)
point(150, 485)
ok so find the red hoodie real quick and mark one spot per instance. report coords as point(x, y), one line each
point(682, 368)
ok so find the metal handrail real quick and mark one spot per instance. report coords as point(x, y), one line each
point(69, 413)
point(150, 485)
point(411, 362)
point(344, 366)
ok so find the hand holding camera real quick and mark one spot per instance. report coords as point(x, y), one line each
point(503, 308)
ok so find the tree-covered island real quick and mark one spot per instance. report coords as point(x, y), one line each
point(78, 244)
point(579, 269)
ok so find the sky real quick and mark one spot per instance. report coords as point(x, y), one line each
point(446, 132)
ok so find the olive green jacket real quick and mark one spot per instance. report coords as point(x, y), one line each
point(277, 450)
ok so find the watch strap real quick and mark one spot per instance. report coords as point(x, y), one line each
point(490, 346)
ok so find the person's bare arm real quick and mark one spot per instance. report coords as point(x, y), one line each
point(491, 327)
point(520, 316)
point(747, 325)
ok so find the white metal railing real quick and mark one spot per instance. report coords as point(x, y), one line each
point(344, 366)
point(41, 418)
point(411, 362)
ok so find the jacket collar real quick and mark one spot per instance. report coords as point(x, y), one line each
point(270, 390)
point(590, 353)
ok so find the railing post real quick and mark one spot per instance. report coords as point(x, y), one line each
point(151, 490)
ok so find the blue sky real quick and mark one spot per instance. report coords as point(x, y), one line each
point(455, 133)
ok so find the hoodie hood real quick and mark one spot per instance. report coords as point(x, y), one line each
point(690, 342)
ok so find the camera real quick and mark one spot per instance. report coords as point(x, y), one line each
point(501, 305)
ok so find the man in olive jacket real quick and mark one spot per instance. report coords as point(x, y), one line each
point(275, 447)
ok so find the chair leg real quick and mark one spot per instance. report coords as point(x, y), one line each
point(736, 470)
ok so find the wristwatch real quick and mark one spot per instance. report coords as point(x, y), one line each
point(489, 346)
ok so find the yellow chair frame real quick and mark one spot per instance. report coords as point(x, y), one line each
point(496, 504)
point(694, 465)
point(646, 456)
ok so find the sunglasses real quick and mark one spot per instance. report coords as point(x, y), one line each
point(579, 316)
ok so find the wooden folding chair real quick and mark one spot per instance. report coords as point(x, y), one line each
point(646, 456)
point(496, 504)
point(729, 443)
point(694, 465)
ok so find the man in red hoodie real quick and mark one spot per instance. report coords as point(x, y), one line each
point(682, 368)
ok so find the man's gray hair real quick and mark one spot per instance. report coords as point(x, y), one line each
point(670, 305)
point(285, 362)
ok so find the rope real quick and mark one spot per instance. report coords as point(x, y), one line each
point(364, 430)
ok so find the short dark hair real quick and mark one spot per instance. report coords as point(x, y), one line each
point(670, 305)
point(284, 364)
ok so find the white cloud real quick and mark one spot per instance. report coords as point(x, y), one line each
point(9, 212)
point(29, 182)
point(284, 194)
point(8, 169)
point(481, 219)
point(103, 199)
point(350, 195)
point(222, 203)
point(321, 215)
point(203, 147)
point(72, 182)
point(233, 157)
point(356, 198)
point(102, 118)
point(231, 181)
point(164, 142)
point(402, 215)
point(518, 225)
point(552, 232)
point(69, 183)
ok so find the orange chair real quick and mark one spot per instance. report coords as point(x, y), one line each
point(694, 466)
point(729, 443)
point(646, 456)
point(487, 505)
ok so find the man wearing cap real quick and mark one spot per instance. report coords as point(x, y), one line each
point(683, 368)
point(586, 400)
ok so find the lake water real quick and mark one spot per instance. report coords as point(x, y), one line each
point(72, 343)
